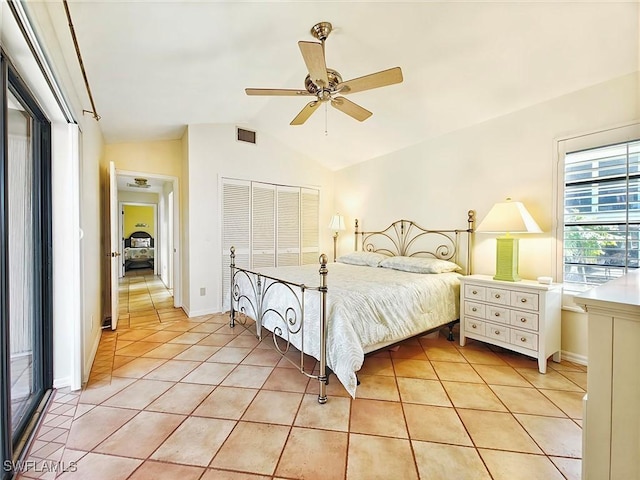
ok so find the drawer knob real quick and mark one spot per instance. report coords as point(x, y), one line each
point(474, 309)
point(475, 292)
point(523, 339)
point(497, 332)
point(474, 326)
point(497, 295)
point(523, 300)
point(523, 320)
point(497, 314)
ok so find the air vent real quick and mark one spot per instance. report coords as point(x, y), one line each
point(246, 135)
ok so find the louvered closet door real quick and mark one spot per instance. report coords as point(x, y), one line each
point(310, 225)
point(288, 226)
point(236, 230)
point(263, 242)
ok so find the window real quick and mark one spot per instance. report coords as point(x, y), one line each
point(601, 213)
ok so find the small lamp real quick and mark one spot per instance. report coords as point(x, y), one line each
point(508, 217)
point(337, 225)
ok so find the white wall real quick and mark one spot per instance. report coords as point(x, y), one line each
point(213, 152)
point(436, 182)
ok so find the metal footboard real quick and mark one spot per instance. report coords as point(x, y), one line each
point(250, 291)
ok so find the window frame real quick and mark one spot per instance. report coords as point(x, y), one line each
point(623, 133)
point(13, 440)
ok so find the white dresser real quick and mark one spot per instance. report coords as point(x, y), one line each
point(521, 316)
point(611, 429)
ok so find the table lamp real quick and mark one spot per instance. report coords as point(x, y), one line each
point(508, 217)
point(337, 225)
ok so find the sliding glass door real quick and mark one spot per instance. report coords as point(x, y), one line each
point(25, 262)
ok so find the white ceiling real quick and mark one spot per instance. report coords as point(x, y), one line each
point(156, 66)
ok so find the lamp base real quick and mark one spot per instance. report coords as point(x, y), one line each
point(507, 259)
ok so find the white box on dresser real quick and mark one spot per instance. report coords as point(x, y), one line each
point(521, 316)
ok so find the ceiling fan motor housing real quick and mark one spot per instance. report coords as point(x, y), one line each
point(334, 80)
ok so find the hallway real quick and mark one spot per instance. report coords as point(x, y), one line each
point(143, 299)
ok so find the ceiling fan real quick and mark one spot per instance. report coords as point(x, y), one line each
point(326, 84)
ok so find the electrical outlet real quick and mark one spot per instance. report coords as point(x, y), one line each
point(203, 291)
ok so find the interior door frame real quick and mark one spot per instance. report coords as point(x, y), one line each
point(177, 252)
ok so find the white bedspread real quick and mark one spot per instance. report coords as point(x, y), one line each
point(138, 253)
point(367, 307)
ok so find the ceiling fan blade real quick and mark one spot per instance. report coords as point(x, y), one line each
point(374, 80)
point(352, 109)
point(305, 113)
point(313, 54)
point(279, 92)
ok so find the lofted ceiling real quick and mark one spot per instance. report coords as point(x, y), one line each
point(156, 66)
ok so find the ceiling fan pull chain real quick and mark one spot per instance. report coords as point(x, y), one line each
point(326, 122)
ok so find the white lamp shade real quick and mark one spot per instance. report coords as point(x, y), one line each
point(337, 223)
point(508, 217)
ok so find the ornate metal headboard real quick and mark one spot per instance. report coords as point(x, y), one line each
point(409, 239)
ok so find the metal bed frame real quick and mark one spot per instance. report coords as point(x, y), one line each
point(403, 237)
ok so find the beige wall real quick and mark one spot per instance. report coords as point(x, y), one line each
point(160, 157)
point(437, 181)
point(91, 214)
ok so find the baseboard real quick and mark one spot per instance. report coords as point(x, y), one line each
point(62, 382)
point(198, 313)
point(575, 358)
point(86, 371)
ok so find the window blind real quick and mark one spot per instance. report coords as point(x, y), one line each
point(601, 213)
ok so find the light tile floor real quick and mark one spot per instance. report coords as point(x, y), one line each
point(171, 397)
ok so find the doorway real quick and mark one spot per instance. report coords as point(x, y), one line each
point(138, 228)
point(132, 188)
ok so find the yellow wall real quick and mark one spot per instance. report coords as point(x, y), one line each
point(134, 214)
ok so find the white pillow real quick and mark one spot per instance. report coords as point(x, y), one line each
point(141, 242)
point(370, 259)
point(420, 264)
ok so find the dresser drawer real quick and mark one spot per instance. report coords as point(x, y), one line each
point(497, 314)
point(498, 295)
point(475, 292)
point(524, 320)
point(525, 300)
point(499, 332)
point(474, 326)
point(524, 339)
point(474, 309)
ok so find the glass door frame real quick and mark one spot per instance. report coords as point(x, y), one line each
point(12, 438)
